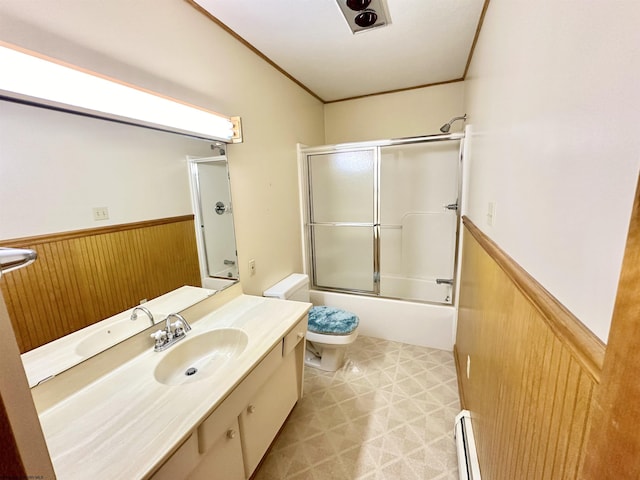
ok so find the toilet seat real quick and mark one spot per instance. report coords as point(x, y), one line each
point(329, 332)
point(331, 321)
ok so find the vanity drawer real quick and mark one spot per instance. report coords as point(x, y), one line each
point(295, 336)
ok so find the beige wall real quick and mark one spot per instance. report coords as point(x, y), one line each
point(552, 100)
point(403, 114)
point(169, 47)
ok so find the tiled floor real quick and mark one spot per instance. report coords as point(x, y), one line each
point(387, 414)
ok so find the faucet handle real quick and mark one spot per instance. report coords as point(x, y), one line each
point(178, 328)
point(159, 337)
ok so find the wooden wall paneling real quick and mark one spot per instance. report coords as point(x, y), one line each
point(531, 397)
point(85, 276)
point(555, 414)
point(579, 426)
point(552, 364)
point(78, 280)
point(533, 371)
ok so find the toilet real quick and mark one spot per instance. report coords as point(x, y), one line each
point(330, 329)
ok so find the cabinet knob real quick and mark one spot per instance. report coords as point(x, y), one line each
point(300, 335)
point(231, 433)
point(251, 408)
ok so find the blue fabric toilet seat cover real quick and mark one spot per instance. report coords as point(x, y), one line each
point(332, 321)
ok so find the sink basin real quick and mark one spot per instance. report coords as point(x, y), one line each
point(201, 356)
point(108, 336)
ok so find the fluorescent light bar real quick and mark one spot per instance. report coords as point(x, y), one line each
point(28, 76)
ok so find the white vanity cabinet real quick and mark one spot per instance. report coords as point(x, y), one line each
point(230, 443)
point(261, 420)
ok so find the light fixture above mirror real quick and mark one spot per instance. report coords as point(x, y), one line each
point(32, 78)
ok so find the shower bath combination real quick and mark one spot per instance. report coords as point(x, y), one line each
point(379, 219)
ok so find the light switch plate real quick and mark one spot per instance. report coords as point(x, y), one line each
point(100, 213)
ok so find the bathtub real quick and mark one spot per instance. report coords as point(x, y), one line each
point(426, 325)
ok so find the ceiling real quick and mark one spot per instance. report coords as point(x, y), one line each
point(427, 42)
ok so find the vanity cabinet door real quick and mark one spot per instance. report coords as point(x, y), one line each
point(223, 461)
point(261, 420)
point(181, 462)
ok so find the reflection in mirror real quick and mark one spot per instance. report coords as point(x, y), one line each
point(46, 361)
point(211, 195)
point(92, 270)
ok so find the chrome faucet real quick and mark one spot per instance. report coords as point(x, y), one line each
point(181, 325)
point(171, 333)
point(134, 314)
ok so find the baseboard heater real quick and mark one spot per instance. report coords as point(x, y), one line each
point(468, 467)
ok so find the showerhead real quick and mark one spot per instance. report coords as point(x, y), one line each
point(447, 126)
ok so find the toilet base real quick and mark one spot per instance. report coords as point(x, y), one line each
point(331, 358)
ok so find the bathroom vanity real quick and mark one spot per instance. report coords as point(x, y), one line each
point(131, 413)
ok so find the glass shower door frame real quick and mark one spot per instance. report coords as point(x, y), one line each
point(375, 146)
point(374, 225)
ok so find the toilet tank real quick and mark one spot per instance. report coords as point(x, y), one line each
point(294, 287)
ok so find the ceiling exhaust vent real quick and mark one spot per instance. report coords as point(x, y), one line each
point(363, 15)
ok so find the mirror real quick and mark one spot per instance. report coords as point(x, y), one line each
point(141, 175)
point(211, 197)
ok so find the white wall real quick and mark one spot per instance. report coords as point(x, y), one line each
point(55, 167)
point(169, 47)
point(552, 98)
point(402, 114)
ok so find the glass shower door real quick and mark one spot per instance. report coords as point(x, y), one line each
point(419, 186)
point(343, 219)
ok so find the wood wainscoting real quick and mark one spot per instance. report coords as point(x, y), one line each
point(533, 368)
point(85, 276)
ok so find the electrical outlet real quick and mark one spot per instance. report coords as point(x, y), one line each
point(100, 213)
point(252, 267)
point(468, 366)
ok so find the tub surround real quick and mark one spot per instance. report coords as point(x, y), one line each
point(123, 423)
point(61, 354)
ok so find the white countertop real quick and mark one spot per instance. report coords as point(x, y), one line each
point(63, 353)
point(125, 423)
